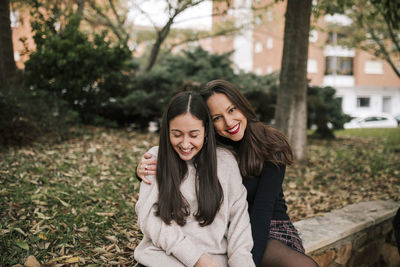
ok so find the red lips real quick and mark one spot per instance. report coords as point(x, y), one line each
point(237, 126)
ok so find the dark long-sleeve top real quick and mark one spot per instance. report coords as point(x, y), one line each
point(265, 203)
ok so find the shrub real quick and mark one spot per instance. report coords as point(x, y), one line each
point(87, 74)
point(26, 115)
point(152, 90)
point(324, 111)
point(261, 92)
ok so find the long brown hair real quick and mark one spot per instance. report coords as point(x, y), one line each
point(171, 169)
point(260, 142)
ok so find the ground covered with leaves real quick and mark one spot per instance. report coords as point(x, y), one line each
point(72, 203)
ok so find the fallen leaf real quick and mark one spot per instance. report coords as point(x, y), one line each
point(112, 238)
point(100, 250)
point(22, 245)
point(19, 230)
point(72, 260)
point(31, 261)
point(65, 204)
point(42, 236)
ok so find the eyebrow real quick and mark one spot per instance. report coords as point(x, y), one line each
point(176, 130)
point(232, 105)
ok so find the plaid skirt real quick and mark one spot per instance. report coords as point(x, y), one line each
point(285, 232)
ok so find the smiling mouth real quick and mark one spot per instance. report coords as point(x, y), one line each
point(186, 151)
point(234, 130)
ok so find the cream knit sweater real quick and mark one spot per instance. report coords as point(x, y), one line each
point(228, 239)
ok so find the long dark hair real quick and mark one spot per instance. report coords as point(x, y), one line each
point(171, 169)
point(260, 142)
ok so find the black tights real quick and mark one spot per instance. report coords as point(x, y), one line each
point(278, 254)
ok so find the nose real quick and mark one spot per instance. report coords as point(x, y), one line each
point(185, 142)
point(229, 121)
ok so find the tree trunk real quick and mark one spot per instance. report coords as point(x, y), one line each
point(291, 110)
point(8, 68)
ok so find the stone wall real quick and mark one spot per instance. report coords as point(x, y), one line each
point(357, 235)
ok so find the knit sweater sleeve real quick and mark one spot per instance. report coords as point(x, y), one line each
point(169, 238)
point(239, 237)
point(269, 187)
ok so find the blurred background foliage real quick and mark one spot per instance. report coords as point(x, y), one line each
point(75, 78)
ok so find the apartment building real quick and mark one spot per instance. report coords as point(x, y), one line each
point(364, 83)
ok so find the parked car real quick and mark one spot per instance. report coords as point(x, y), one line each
point(397, 117)
point(372, 121)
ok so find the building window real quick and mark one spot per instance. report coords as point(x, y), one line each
point(338, 65)
point(17, 56)
point(313, 37)
point(373, 67)
point(269, 69)
point(14, 18)
point(258, 71)
point(270, 16)
point(312, 66)
point(258, 47)
point(363, 102)
point(258, 20)
point(334, 38)
point(270, 43)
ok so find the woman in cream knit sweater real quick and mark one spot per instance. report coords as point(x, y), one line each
point(195, 213)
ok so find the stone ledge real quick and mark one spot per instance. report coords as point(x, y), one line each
point(322, 231)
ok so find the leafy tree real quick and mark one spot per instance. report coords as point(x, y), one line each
point(376, 29)
point(89, 75)
point(291, 111)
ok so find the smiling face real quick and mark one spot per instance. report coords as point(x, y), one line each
point(228, 120)
point(186, 134)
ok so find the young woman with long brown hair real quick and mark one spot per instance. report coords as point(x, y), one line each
point(263, 153)
point(195, 215)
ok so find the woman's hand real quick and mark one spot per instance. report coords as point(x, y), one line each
point(147, 166)
point(206, 261)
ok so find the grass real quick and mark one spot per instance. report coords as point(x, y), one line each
point(72, 203)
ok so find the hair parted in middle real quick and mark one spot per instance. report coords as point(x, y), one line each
point(171, 169)
point(260, 142)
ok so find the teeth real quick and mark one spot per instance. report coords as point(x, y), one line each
point(186, 150)
point(234, 129)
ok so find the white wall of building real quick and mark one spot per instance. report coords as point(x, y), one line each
point(376, 97)
point(243, 42)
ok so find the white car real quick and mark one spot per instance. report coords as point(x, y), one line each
point(372, 121)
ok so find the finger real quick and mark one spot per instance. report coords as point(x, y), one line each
point(144, 180)
point(147, 156)
point(148, 161)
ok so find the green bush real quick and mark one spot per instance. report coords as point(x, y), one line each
point(324, 111)
point(151, 91)
point(27, 115)
point(261, 92)
point(87, 74)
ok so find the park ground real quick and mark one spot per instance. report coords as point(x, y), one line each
point(72, 202)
